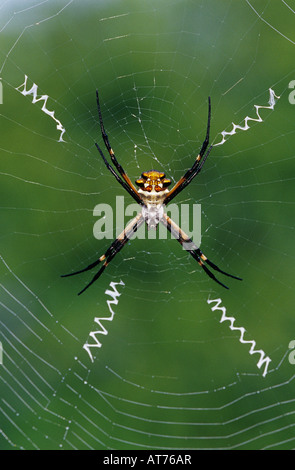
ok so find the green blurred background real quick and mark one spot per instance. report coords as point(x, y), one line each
point(168, 374)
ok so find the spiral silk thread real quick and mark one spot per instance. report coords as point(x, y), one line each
point(272, 101)
point(263, 360)
point(114, 294)
point(33, 91)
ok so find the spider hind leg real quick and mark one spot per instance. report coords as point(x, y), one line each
point(213, 266)
point(204, 267)
point(97, 275)
point(194, 251)
point(91, 266)
point(111, 252)
point(201, 258)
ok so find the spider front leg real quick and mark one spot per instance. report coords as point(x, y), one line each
point(193, 250)
point(122, 182)
point(111, 152)
point(111, 252)
point(197, 166)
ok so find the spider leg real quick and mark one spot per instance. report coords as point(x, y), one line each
point(135, 196)
point(206, 141)
point(111, 252)
point(111, 152)
point(194, 251)
point(187, 178)
point(197, 166)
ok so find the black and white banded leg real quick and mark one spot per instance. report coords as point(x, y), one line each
point(111, 252)
point(193, 250)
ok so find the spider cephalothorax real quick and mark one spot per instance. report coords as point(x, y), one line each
point(153, 195)
point(153, 188)
point(153, 180)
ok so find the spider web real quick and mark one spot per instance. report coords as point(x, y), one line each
point(173, 354)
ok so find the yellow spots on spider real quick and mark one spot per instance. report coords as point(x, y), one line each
point(153, 181)
point(204, 258)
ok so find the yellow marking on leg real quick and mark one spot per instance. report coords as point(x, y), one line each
point(203, 257)
point(102, 258)
point(198, 158)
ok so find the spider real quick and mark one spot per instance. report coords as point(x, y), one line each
point(152, 195)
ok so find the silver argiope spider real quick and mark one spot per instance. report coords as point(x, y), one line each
point(153, 195)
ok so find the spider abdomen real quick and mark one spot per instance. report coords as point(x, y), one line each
point(152, 214)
